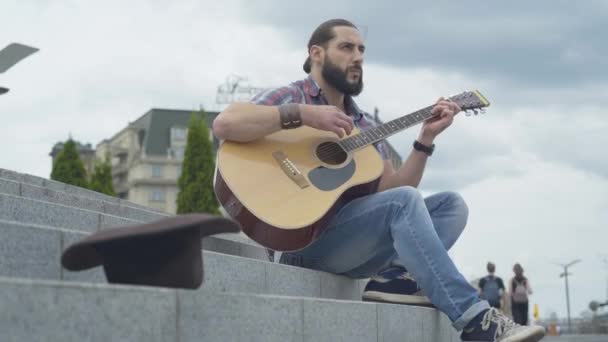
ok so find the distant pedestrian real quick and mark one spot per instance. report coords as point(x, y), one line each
point(520, 289)
point(491, 287)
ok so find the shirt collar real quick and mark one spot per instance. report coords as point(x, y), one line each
point(312, 88)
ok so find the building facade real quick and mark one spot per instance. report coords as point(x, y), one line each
point(147, 156)
point(85, 151)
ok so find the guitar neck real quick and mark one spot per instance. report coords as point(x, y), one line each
point(373, 135)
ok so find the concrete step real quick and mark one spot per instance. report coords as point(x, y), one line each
point(101, 204)
point(30, 251)
point(45, 207)
point(26, 179)
point(35, 310)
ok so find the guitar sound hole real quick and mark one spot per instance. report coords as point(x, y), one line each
point(331, 153)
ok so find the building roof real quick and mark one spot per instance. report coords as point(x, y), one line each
point(154, 128)
point(82, 148)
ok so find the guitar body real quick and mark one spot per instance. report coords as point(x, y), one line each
point(284, 188)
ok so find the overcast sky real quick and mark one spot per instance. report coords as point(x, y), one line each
point(531, 169)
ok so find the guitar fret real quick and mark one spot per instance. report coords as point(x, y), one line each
point(358, 141)
point(392, 126)
point(376, 132)
point(410, 120)
point(385, 132)
point(348, 144)
point(427, 113)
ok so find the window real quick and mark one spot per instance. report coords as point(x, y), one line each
point(157, 170)
point(157, 195)
point(178, 152)
point(178, 133)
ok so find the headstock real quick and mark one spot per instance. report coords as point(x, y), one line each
point(471, 101)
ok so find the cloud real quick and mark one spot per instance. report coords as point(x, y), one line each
point(536, 44)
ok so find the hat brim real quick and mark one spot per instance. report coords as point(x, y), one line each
point(83, 254)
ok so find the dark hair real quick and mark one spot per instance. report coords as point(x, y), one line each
point(323, 34)
point(517, 268)
point(491, 267)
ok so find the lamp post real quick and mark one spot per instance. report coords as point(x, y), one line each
point(565, 275)
point(605, 260)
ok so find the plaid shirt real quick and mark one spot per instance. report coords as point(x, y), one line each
point(307, 91)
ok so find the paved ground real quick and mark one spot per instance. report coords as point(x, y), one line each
point(576, 338)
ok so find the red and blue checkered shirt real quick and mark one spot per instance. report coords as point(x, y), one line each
point(307, 91)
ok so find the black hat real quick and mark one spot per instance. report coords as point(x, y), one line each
point(164, 253)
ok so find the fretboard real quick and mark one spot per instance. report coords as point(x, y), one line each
point(372, 135)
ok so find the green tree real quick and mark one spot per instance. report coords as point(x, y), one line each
point(68, 168)
point(101, 181)
point(196, 181)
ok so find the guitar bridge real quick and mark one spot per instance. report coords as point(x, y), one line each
point(290, 170)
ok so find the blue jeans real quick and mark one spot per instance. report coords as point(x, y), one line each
point(399, 227)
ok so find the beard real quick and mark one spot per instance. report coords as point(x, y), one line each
point(337, 78)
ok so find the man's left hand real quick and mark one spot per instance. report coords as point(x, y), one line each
point(444, 112)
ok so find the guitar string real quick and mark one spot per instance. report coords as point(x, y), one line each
point(335, 149)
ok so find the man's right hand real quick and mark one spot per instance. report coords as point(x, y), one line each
point(326, 118)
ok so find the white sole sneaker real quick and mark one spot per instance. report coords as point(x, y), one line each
point(417, 300)
point(531, 333)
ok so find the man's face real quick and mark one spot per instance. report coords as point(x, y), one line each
point(343, 61)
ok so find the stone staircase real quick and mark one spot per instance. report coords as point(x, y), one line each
point(244, 297)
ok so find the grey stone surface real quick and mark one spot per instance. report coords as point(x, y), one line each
point(58, 197)
point(436, 326)
point(132, 213)
point(28, 252)
point(327, 320)
point(11, 175)
point(136, 205)
point(249, 250)
point(214, 244)
point(33, 180)
point(207, 316)
point(10, 187)
point(35, 311)
point(26, 210)
point(110, 221)
point(54, 185)
point(292, 281)
point(82, 192)
point(35, 252)
point(234, 274)
point(400, 323)
point(339, 287)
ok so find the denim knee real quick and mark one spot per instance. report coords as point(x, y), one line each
point(407, 194)
point(458, 204)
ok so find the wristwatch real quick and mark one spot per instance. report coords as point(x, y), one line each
point(428, 150)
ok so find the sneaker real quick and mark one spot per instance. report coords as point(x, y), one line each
point(492, 325)
point(395, 286)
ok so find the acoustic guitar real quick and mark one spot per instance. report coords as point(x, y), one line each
point(284, 188)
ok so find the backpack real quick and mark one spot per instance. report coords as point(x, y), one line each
point(491, 291)
point(520, 291)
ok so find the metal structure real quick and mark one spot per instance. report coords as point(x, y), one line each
point(236, 88)
point(11, 55)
